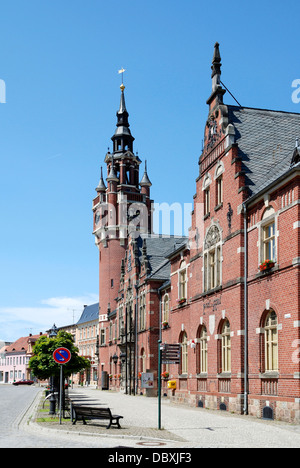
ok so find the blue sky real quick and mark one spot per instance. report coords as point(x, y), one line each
point(59, 61)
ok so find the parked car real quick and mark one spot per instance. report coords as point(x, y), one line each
point(23, 382)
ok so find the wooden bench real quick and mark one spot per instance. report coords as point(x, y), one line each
point(90, 412)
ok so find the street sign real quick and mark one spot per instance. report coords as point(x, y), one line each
point(61, 355)
point(170, 353)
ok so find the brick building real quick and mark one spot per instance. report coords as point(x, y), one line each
point(229, 293)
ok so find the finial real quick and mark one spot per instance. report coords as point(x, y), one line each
point(122, 87)
point(216, 61)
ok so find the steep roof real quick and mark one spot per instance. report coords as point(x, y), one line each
point(89, 313)
point(158, 248)
point(266, 141)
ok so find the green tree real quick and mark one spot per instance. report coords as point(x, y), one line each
point(42, 363)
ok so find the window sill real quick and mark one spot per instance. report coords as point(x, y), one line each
point(211, 291)
point(206, 216)
point(203, 375)
point(218, 207)
point(262, 274)
point(269, 375)
point(224, 375)
point(183, 376)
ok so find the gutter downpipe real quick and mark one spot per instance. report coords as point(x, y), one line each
point(159, 363)
point(136, 336)
point(245, 409)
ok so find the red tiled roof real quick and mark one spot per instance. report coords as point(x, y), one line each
point(21, 344)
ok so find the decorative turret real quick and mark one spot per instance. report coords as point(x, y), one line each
point(112, 177)
point(101, 186)
point(145, 182)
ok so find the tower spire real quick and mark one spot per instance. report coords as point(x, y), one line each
point(122, 139)
point(101, 186)
point(216, 68)
point(218, 92)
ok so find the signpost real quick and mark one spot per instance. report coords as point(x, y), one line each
point(167, 354)
point(61, 356)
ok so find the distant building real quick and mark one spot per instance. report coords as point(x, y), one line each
point(87, 330)
point(15, 358)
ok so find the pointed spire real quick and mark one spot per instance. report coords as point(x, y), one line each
point(145, 182)
point(112, 175)
point(216, 67)
point(122, 108)
point(101, 186)
point(122, 139)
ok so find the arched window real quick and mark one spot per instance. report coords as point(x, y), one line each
point(182, 281)
point(202, 350)
point(212, 259)
point(184, 353)
point(271, 342)
point(226, 347)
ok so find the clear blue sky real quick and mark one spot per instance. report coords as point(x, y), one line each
point(59, 61)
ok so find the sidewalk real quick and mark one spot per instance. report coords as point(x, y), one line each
point(181, 426)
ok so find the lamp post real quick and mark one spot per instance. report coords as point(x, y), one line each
point(52, 334)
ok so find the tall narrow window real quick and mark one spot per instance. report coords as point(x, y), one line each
point(165, 317)
point(182, 281)
point(184, 353)
point(203, 350)
point(142, 324)
point(226, 347)
point(212, 269)
point(271, 342)
point(121, 321)
point(219, 190)
point(206, 201)
point(269, 242)
point(206, 194)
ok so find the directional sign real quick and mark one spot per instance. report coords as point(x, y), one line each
point(171, 353)
point(61, 355)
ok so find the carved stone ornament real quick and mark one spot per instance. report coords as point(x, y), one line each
point(213, 136)
point(212, 237)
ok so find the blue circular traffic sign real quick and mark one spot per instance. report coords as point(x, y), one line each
point(61, 355)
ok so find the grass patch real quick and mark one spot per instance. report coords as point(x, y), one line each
point(51, 419)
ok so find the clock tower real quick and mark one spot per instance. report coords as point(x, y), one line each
point(121, 209)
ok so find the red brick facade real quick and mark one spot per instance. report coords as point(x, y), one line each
point(237, 318)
